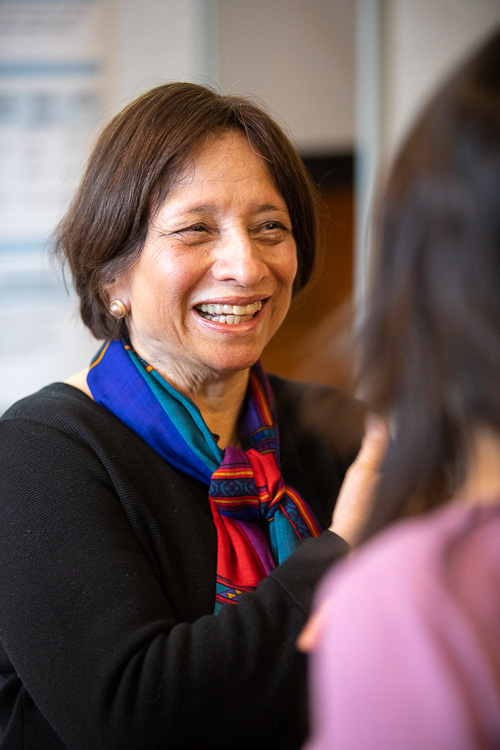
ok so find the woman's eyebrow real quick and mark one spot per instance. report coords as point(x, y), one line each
point(271, 207)
point(208, 207)
point(203, 208)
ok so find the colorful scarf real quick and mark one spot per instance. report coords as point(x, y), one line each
point(259, 519)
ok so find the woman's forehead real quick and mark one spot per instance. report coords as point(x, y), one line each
point(226, 168)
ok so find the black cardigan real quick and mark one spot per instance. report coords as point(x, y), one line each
point(107, 584)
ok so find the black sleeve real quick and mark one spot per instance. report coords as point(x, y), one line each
point(87, 627)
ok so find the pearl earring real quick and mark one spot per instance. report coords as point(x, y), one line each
point(117, 308)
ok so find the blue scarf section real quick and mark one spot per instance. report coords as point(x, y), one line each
point(118, 382)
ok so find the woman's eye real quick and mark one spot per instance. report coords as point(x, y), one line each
point(194, 233)
point(195, 228)
point(272, 231)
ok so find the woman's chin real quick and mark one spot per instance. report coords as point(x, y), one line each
point(234, 364)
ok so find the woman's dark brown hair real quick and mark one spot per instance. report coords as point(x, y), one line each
point(430, 343)
point(135, 164)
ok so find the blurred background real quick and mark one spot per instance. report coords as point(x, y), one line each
point(343, 77)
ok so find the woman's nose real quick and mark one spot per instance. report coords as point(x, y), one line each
point(239, 259)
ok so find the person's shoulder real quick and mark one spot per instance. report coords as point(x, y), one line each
point(435, 538)
point(60, 407)
point(320, 412)
point(423, 554)
point(59, 397)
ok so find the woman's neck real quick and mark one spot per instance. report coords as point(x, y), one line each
point(79, 380)
point(482, 483)
point(220, 405)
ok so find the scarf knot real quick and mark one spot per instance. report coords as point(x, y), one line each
point(247, 486)
point(259, 519)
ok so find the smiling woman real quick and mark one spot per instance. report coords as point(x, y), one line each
point(174, 501)
point(221, 238)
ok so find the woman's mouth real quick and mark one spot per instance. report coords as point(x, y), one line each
point(228, 314)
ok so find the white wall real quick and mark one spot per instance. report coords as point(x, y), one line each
point(154, 41)
point(421, 41)
point(407, 47)
point(52, 54)
point(299, 59)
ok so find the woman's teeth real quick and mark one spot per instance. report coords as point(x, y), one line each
point(230, 314)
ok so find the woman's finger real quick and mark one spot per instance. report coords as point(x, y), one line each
point(355, 499)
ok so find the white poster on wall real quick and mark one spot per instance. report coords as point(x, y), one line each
point(53, 73)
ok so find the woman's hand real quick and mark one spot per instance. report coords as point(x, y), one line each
point(355, 499)
point(354, 503)
point(313, 629)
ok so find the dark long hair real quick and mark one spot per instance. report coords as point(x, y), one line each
point(136, 162)
point(430, 343)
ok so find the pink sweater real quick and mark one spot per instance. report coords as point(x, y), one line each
point(409, 658)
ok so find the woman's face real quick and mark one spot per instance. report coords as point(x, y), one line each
point(214, 279)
